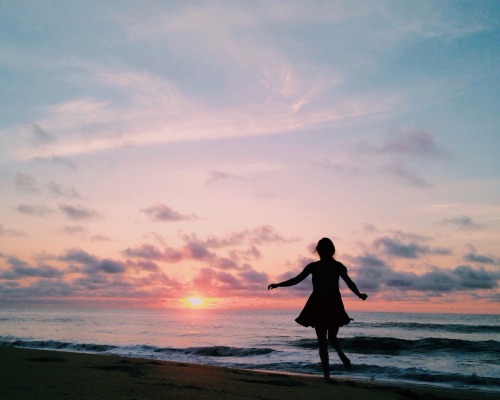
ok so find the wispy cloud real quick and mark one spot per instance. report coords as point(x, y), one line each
point(411, 142)
point(62, 161)
point(40, 136)
point(100, 238)
point(78, 212)
point(73, 230)
point(408, 176)
point(462, 222)
point(161, 212)
point(10, 232)
point(29, 185)
point(34, 210)
point(218, 176)
point(260, 235)
point(398, 150)
point(26, 184)
point(60, 190)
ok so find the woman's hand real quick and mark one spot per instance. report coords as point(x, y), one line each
point(363, 296)
point(272, 286)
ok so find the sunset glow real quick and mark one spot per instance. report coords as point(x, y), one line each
point(157, 150)
point(195, 301)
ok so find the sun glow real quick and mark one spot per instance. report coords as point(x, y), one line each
point(194, 301)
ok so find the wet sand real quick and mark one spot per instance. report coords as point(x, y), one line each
point(40, 374)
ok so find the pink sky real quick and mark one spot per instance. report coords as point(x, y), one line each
point(153, 151)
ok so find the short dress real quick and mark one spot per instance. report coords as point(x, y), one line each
point(324, 308)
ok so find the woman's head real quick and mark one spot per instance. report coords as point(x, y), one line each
point(325, 248)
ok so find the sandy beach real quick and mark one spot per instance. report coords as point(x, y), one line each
point(40, 374)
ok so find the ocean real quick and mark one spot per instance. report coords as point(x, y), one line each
point(445, 350)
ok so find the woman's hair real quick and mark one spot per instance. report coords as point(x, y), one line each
point(325, 248)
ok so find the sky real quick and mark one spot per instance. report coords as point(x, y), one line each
point(156, 150)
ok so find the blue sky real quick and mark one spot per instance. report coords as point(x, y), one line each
point(203, 147)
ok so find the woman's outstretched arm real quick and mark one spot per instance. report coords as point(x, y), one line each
point(293, 281)
point(352, 285)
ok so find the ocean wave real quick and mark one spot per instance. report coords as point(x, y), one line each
point(455, 328)
point(222, 355)
point(57, 345)
point(219, 351)
point(384, 373)
point(208, 351)
point(394, 346)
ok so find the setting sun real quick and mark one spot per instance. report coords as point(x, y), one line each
point(195, 301)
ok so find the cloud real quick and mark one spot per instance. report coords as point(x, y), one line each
point(337, 167)
point(258, 236)
point(84, 276)
point(20, 269)
point(409, 249)
point(54, 160)
point(40, 136)
point(78, 256)
point(462, 222)
point(34, 210)
point(410, 143)
point(150, 252)
point(400, 148)
point(142, 265)
point(215, 283)
point(73, 230)
point(460, 278)
point(161, 212)
point(218, 176)
point(78, 212)
point(100, 238)
point(202, 250)
point(375, 275)
point(59, 190)
point(254, 279)
point(207, 251)
point(473, 257)
point(408, 176)
point(370, 272)
point(475, 278)
point(93, 264)
point(10, 232)
point(198, 251)
point(251, 254)
point(26, 184)
point(110, 266)
point(191, 250)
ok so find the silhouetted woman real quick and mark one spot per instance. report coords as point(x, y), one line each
point(324, 310)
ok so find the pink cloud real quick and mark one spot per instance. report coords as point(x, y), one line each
point(161, 212)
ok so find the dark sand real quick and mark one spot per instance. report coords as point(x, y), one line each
point(52, 375)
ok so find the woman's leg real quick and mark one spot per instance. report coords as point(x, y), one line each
point(323, 351)
point(332, 338)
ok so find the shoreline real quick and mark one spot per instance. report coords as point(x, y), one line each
point(35, 374)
